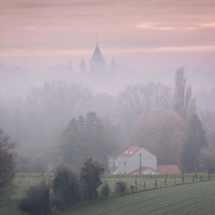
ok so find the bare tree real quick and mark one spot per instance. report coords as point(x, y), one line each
point(163, 133)
point(57, 98)
point(49, 107)
point(207, 118)
point(7, 165)
point(162, 96)
point(138, 99)
point(134, 101)
point(184, 104)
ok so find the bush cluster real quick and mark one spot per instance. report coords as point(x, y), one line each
point(105, 191)
point(36, 200)
point(120, 187)
point(67, 190)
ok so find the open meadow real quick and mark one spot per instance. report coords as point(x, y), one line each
point(190, 198)
point(152, 194)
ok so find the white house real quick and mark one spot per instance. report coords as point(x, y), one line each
point(129, 160)
point(126, 160)
point(113, 159)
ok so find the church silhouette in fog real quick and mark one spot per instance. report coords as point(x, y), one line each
point(97, 63)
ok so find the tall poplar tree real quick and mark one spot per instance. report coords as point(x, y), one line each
point(195, 142)
point(184, 104)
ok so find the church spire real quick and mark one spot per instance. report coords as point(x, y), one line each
point(82, 66)
point(113, 66)
point(97, 62)
point(97, 40)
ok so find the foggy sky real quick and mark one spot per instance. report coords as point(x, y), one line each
point(151, 35)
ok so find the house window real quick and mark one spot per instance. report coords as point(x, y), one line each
point(124, 163)
point(111, 162)
point(125, 173)
point(119, 163)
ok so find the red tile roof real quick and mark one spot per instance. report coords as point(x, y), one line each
point(169, 169)
point(129, 152)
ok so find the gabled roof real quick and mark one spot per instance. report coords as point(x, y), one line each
point(169, 169)
point(97, 55)
point(129, 152)
point(119, 151)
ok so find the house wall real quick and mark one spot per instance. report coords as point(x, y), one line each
point(112, 164)
point(122, 169)
point(148, 159)
point(133, 162)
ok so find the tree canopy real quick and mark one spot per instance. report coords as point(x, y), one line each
point(85, 138)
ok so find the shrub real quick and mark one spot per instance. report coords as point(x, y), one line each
point(36, 201)
point(132, 188)
point(90, 178)
point(7, 165)
point(66, 189)
point(120, 187)
point(105, 190)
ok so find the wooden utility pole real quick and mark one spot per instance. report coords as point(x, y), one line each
point(140, 163)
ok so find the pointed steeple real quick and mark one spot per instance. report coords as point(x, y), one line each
point(97, 55)
point(82, 66)
point(113, 66)
point(70, 66)
point(97, 62)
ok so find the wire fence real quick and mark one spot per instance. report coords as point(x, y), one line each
point(136, 183)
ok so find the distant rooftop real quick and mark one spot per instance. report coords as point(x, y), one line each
point(97, 55)
point(169, 169)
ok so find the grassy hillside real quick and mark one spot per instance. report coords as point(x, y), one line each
point(164, 199)
point(193, 198)
point(22, 182)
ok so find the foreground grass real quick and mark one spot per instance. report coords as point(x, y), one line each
point(191, 198)
point(150, 198)
point(22, 182)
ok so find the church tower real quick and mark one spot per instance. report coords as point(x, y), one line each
point(82, 66)
point(113, 66)
point(97, 62)
point(70, 68)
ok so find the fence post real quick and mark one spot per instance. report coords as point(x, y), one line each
point(114, 189)
point(183, 179)
point(144, 185)
point(136, 185)
point(196, 174)
point(156, 182)
point(193, 177)
point(201, 177)
point(175, 180)
point(165, 181)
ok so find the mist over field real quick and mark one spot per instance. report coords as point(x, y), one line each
point(117, 64)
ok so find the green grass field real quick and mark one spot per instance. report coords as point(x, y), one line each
point(175, 197)
point(22, 182)
point(191, 198)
